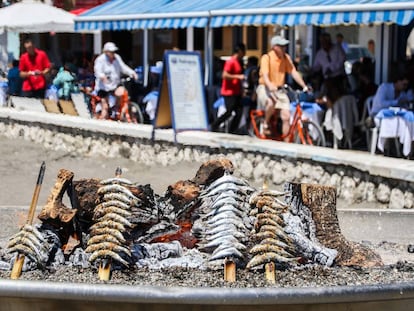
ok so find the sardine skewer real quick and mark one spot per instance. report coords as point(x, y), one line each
point(18, 263)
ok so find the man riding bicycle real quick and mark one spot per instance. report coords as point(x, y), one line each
point(108, 68)
point(273, 69)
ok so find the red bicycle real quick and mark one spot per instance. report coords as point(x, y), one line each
point(121, 108)
point(301, 130)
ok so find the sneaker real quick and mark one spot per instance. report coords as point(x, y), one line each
point(266, 130)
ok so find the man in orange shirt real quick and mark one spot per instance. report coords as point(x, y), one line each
point(273, 69)
point(34, 65)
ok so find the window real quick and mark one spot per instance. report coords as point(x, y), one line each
point(252, 38)
point(218, 38)
point(198, 38)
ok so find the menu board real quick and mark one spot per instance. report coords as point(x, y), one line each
point(182, 103)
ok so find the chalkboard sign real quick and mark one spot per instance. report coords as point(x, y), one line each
point(181, 101)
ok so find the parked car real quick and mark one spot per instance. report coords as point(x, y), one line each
point(355, 53)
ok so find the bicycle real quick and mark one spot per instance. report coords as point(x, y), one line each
point(301, 130)
point(121, 108)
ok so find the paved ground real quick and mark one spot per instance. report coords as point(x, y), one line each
point(21, 161)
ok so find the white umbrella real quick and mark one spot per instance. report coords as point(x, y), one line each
point(31, 16)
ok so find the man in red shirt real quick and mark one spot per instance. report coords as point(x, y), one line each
point(231, 89)
point(34, 65)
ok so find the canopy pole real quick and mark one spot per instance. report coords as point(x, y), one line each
point(145, 56)
point(208, 55)
point(190, 39)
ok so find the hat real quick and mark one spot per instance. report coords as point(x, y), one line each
point(110, 47)
point(278, 40)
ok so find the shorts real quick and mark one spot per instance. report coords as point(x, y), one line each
point(282, 102)
point(103, 93)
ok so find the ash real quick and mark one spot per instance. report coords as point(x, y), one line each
point(188, 270)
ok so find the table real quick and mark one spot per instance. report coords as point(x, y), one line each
point(398, 123)
point(341, 119)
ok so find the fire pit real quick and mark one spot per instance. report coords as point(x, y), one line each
point(212, 240)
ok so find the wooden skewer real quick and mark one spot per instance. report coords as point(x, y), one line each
point(104, 270)
point(265, 185)
point(18, 263)
point(229, 270)
point(270, 272)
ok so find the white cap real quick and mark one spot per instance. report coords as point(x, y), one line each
point(110, 47)
point(278, 40)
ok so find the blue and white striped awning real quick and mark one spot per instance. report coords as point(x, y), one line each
point(290, 13)
point(141, 14)
point(156, 14)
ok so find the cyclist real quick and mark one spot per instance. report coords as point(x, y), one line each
point(108, 68)
point(274, 66)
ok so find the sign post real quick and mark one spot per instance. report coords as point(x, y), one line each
point(181, 101)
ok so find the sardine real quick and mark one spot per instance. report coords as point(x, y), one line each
point(230, 220)
point(266, 221)
point(104, 238)
point(219, 216)
point(262, 193)
point(108, 246)
point(227, 178)
point(35, 246)
point(32, 229)
point(230, 252)
point(276, 218)
point(219, 241)
point(116, 218)
point(108, 224)
point(287, 246)
point(116, 180)
point(222, 188)
point(100, 212)
point(225, 227)
point(220, 234)
point(266, 248)
point(121, 197)
point(104, 253)
point(101, 231)
point(261, 259)
point(226, 208)
point(33, 254)
point(226, 201)
point(114, 203)
point(114, 188)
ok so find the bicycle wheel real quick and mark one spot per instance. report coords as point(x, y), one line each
point(136, 113)
point(312, 134)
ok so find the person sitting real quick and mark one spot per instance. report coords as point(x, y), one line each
point(14, 80)
point(391, 94)
point(329, 64)
point(65, 82)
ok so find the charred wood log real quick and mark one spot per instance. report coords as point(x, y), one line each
point(86, 192)
point(321, 201)
point(60, 217)
point(211, 170)
point(55, 210)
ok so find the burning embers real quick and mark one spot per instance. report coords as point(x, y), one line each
point(217, 218)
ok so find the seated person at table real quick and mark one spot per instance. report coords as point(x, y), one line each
point(391, 94)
